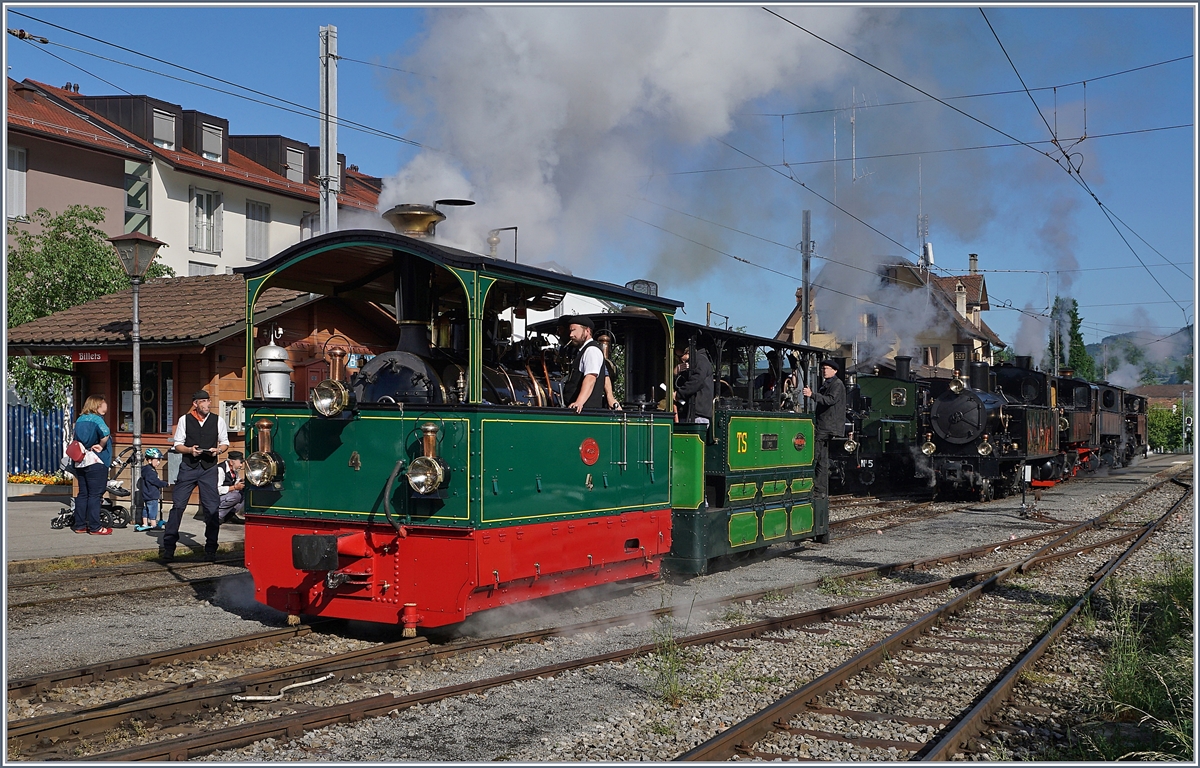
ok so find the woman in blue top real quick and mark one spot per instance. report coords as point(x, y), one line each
point(91, 430)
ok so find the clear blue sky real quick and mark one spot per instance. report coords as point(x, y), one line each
point(629, 143)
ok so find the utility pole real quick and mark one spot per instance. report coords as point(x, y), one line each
point(806, 260)
point(329, 178)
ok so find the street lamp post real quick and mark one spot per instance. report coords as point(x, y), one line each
point(136, 252)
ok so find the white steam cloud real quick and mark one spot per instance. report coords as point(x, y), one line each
point(551, 118)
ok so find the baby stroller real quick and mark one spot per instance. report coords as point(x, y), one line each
point(112, 514)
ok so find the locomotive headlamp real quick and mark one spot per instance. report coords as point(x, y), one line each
point(425, 474)
point(851, 444)
point(928, 447)
point(957, 384)
point(330, 397)
point(984, 448)
point(262, 468)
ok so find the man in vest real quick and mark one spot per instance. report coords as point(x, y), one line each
point(201, 437)
point(586, 385)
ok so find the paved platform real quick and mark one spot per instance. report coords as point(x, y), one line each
point(28, 535)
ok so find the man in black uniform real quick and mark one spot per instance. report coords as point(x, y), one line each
point(200, 437)
point(694, 385)
point(830, 398)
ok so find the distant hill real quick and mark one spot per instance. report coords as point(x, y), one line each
point(1141, 357)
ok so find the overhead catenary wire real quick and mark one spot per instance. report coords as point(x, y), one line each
point(1072, 171)
point(985, 94)
point(300, 109)
point(1076, 173)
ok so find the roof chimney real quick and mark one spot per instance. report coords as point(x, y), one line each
point(960, 298)
point(974, 263)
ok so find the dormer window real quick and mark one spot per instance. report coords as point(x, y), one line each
point(212, 139)
point(164, 129)
point(295, 165)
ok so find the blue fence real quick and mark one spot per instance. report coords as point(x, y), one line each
point(35, 439)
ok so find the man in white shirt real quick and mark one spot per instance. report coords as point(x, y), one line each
point(201, 437)
point(586, 385)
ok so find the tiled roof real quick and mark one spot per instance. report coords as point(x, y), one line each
point(31, 112)
point(974, 285)
point(171, 311)
point(239, 169)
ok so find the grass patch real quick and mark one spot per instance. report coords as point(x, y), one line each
point(677, 675)
point(1148, 677)
point(839, 587)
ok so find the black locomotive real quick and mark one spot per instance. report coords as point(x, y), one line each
point(986, 430)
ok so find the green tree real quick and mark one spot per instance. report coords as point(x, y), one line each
point(60, 261)
point(1075, 356)
point(1164, 427)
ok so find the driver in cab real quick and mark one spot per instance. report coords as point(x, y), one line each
point(587, 383)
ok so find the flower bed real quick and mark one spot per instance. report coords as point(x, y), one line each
point(38, 478)
point(38, 484)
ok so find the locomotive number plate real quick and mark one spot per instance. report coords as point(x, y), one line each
point(770, 442)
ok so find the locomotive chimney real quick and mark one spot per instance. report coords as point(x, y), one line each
point(961, 357)
point(981, 376)
point(415, 220)
point(1066, 373)
point(1024, 361)
point(419, 220)
point(903, 367)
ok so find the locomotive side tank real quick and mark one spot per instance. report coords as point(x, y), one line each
point(445, 477)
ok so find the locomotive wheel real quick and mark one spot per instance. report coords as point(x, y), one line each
point(986, 491)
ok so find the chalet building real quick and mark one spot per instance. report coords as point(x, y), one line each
point(217, 200)
point(958, 303)
point(193, 337)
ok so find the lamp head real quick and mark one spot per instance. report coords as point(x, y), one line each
point(136, 252)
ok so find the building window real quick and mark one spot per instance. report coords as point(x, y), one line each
point(15, 194)
point(211, 141)
point(158, 401)
point(164, 129)
point(258, 226)
point(206, 221)
point(930, 356)
point(137, 197)
point(200, 268)
point(310, 225)
point(295, 165)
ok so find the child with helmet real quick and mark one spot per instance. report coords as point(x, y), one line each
point(151, 488)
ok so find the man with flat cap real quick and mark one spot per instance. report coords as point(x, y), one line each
point(586, 385)
point(201, 437)
point(830, 398)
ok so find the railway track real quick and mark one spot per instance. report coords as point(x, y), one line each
point(864, 702)
point(93, 583)
point(50, 735)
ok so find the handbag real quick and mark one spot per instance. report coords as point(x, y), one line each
point(75, 450)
